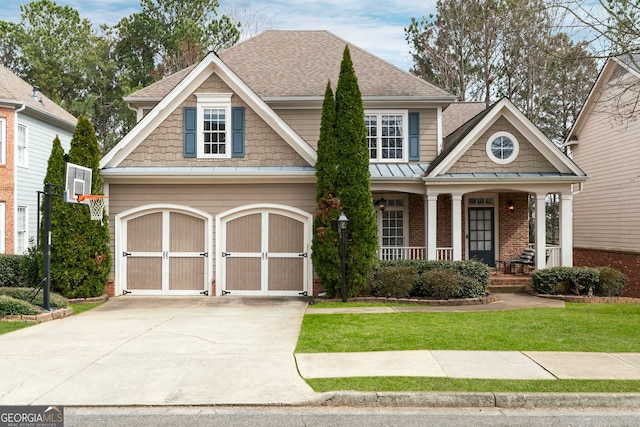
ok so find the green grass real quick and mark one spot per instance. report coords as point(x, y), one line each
point(6, 327)
point(578, 327)
point(82, 307)
point(422, 384)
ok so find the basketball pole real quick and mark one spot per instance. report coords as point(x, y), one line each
point(48, 194)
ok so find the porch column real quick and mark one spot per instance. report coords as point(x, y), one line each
point(456, 225)
point(431, 225)
point(566, 230)
point(541, 230)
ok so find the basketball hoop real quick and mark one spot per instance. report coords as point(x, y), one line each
point(97, 203)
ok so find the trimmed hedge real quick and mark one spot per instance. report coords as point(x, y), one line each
point(601, 281)
point(10, 270)
point(9, 306)
point(430, 279)
point(24, 294)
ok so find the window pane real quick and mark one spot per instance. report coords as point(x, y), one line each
point(214, 129)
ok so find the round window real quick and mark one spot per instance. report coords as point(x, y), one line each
point(502, 148)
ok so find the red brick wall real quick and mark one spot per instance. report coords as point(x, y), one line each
point(514, 225)
point(443, 233)
point(628, 263)
point(7, 186)
point(416, 220)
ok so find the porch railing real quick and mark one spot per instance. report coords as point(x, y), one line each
point(413, 252)
point(554, 255)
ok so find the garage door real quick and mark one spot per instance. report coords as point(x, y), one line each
point(165, 254)
point(265, 252)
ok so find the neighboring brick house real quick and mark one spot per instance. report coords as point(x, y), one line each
point(29, 122)
point(605, 142)
point(213, 191)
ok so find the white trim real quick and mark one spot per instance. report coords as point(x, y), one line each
point(405, 217)
point(120, 235)
point(219, 101)
point(405, 135)
point(3, 141)
point(532, 134)
point(25, 151)
point(514, 154)
point(25, 237)
point(3, 227)
point(439, 127)
point(197, 76)
point(289, 211)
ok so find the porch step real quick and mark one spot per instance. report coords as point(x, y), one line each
point(509, 284)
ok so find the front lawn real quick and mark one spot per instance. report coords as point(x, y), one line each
point(578, 327)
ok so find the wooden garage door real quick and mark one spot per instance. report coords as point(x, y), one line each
point(264, 254)
point(165, 253)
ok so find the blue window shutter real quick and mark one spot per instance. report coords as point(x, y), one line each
point(414, 136)
point(190, 137)
point(237, 132)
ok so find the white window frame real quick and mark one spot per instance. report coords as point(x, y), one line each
point(405, 136)
point(3, 141)
point(512, 157)
point(3, 227)
point(219, 101)
point(405, 219)
point(22, 150)
point(22, 241)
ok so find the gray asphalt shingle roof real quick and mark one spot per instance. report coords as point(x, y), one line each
point(13, 88)
point(299, 63)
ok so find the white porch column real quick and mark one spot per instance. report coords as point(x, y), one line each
point(456, 225)
point(566, 230)
point(541, 231)
point(431, 225)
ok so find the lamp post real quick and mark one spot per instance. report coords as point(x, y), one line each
point(342, 227)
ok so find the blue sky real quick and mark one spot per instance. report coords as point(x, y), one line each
point(374, 26)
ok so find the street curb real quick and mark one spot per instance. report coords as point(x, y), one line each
point(478, 400)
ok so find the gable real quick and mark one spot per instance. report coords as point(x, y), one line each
point(164, 145)
point(476, 160)
point(468, 145)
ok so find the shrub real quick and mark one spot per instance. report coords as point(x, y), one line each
point(27, 295)
point(441, 283)
point(31, 267)
point(15, 306)
point(471, 287)
point(562, 280)
point(393, 281)
point(612, 282)
point(10, 270)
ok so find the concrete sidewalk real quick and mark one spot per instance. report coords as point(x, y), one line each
point(507, 365)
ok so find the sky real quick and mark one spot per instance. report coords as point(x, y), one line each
point(377, 27)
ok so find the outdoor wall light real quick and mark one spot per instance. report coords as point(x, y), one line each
point(342, 228)
point(381, 203)
point(511, 207)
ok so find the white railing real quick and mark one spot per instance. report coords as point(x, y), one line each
point(412, 252)
point(554, 255)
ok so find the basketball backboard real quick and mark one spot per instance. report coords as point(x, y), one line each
point(77, 182)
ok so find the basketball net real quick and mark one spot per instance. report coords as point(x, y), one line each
point(97, 203)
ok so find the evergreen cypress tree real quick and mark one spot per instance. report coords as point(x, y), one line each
point(325, 246)
point(80, 257)
point(353, 184)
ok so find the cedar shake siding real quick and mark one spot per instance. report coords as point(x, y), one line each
point(476, 160)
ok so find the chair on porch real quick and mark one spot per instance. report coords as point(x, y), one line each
point(527, 258)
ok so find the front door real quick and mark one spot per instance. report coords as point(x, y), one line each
point(481, 235)
point(165, 254)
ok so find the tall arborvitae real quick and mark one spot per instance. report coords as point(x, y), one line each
point(80, 257)
point(353, 178)
point(325, 254)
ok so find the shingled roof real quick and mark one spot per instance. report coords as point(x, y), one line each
point(283, 64)
point(15, 90)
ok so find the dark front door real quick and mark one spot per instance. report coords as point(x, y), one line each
point(481, 243)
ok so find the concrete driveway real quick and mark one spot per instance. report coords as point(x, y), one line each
point(159, 351)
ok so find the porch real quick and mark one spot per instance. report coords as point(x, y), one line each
point(391, 253)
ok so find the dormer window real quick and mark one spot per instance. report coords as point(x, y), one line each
point(387, 135)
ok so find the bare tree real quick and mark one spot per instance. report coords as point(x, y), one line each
point(251, 21)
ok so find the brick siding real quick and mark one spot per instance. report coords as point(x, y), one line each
point(7, 183)
point(513, 226)
point(628, 263)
